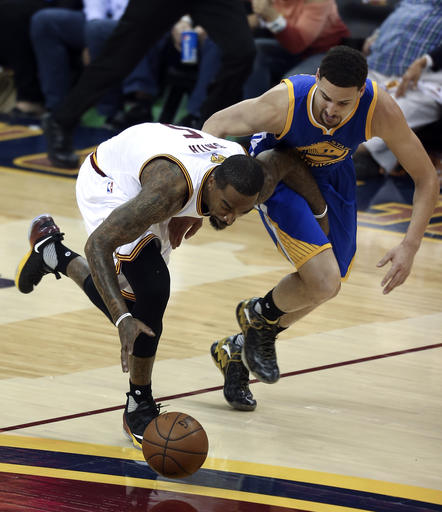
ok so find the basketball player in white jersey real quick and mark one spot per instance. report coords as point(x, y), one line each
point(127, 191)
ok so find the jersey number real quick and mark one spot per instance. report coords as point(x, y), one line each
point(190, 134)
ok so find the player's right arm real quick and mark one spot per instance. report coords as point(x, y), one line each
point(266, 113)
point(164, 191)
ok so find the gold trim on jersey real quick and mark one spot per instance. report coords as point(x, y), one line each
point(326, 131)
point(128, 295)
point(180, 165)
point(289, 120)
point(347, 275)
point(296, 251)
point(368, 122)
point(135, 252)
point(199, 198)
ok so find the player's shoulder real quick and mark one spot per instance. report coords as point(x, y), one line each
point(387, 116)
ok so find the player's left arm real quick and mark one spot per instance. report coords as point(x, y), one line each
point(286, 165)
point(389, 123)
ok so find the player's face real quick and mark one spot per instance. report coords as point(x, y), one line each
point(332, 104)
point(226, 205)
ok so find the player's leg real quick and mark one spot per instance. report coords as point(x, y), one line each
point(295, 231)
point(313, 254)
point(149, 279)
point(48, 255)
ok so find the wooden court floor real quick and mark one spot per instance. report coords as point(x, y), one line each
point(354, 424)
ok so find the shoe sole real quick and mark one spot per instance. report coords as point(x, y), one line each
point(20, 270)
point(129, 434)
point(235, 405)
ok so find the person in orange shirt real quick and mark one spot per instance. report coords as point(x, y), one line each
point(303, 31)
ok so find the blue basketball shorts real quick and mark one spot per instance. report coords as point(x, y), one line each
point(297, 234)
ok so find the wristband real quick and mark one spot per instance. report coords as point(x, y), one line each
point(124, 315)
point(321, 215)
point(277, 25)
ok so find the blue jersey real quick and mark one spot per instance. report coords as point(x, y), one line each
point(328, 153)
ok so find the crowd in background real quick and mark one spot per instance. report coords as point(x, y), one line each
point(46, 47)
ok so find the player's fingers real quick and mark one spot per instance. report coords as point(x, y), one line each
point(390, 286)
point(147, 330)
point(388, 277)
point(124, 359)
point(194, 228)
point(397, 278)
point(383, 261)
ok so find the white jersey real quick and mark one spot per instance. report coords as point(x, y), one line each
point(111, 176)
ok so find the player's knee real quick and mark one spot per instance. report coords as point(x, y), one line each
point(326, 287)
point(323, 281)
point(146, 346)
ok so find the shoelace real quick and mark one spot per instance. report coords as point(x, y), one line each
point(242, 375)
point(266, 346)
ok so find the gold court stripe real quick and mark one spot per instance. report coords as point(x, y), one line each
point(257, 469)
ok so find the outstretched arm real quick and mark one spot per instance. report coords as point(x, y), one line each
point(266, 113)
point(163, 193)
point(390, 124)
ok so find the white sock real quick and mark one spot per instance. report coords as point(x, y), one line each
point(131, 404)
point(240, 340)
point(50, 256)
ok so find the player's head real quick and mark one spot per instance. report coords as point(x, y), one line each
point(341, 82)
point(232, 189)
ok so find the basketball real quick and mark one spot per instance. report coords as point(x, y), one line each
point(175, 445)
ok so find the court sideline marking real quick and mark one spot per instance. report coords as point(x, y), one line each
point(217, 388)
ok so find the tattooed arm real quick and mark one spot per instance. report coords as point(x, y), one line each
point(286, 165)
point(163, 194)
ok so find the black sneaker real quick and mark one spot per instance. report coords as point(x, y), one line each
point(32, 267)
point(258, 353)
point(226, 354)
point(59, 142)
point(137, 416)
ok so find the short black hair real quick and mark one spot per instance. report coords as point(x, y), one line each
point(344, 67)
point(244, 173)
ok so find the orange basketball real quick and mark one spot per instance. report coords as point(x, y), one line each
point(175, 444)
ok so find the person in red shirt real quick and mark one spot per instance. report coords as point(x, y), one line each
point(302, 32)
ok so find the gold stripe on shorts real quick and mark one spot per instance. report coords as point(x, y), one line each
point(298, 251)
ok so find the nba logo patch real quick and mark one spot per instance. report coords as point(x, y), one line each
point(110, 186)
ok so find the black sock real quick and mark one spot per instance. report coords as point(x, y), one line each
point(141, 393)
point(268, 308)
point(64, 257)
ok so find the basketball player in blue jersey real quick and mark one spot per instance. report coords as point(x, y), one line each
point(325, 117)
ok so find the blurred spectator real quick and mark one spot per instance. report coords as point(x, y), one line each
point(66, 39)
point(303, 31)
point(16, 51)
point(142, 24)
point(412, 30)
